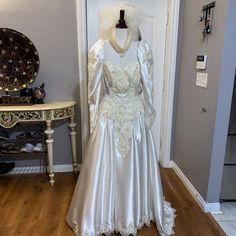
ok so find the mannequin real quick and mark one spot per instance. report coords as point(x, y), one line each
point(119, 187)
point(120, 33)
point(122, 24)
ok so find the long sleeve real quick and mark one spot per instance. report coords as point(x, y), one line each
point(95, 62)
point(146, 63)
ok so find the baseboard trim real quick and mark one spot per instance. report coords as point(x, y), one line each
point(205, 206)
point(64, 168)
point(38, 169)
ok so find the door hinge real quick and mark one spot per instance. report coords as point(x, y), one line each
point(167, 18)
point(160, 147)
point(163, 86)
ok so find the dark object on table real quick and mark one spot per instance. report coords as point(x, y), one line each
point(39, 94)
point(6, 167)
point(26, 92)
point(15, 100)
point(19, 60)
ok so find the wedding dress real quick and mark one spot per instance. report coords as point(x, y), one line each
point(119, 187)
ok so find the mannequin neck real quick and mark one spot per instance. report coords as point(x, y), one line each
point(120, 36)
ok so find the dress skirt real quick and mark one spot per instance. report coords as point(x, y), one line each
point(119, 193)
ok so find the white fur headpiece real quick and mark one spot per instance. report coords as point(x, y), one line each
point(110, 15)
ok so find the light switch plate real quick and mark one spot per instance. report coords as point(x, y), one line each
point(201, 79)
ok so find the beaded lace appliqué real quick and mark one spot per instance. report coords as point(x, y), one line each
point(122, 104)
point(165, 229)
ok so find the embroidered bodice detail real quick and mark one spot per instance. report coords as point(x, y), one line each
point(121, 80)
point(122, 102)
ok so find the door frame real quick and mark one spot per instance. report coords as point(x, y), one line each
point(171, 50)
point(169, 77)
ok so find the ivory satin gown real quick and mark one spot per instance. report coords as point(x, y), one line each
point(119, 186)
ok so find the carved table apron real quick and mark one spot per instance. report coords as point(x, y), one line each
point(48, 112)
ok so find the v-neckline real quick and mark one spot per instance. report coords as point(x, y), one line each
point(114, 51)
point(116, 47)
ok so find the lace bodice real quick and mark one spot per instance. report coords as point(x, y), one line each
point(122, 102)
point(122, 81)
point(120, 94)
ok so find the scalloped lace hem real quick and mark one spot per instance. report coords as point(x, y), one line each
point(165, 230)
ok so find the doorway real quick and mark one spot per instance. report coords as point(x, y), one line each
point(227, 220)
point(228, 185)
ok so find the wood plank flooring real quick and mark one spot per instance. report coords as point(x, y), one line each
point(29, 207)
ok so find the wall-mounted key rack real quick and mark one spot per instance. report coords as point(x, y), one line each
point(207, 15)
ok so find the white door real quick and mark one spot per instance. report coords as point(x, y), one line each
point(153, 31)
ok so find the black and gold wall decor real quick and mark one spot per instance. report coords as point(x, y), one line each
point(19, 60)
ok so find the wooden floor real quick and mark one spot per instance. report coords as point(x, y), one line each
point(29, 207)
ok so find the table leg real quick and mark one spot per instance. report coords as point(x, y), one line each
point(73, 134)
point(49, 140)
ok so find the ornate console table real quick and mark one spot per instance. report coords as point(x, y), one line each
point(48, 112)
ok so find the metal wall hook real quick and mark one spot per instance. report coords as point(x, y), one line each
point(207, 15)
point(209, 6)
point(204, 109)
point(201, 18)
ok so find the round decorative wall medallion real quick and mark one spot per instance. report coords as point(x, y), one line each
point(19, 60)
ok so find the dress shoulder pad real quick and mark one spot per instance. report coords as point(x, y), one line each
point(97, 50)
